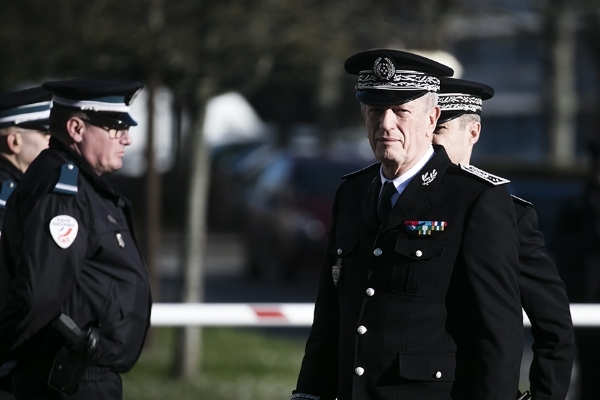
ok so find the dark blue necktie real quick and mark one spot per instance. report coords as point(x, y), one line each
point(385, 201)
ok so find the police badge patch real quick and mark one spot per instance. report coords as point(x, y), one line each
point(63, 229)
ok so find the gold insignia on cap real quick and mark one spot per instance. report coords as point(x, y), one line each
point(384, 68)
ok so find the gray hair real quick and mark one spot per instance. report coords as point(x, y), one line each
point(466, 119)
point(431, 100)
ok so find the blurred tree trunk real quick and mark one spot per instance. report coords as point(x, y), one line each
point(188, 347)
point(329, 96)
point(153, 193)
point(563, 93)
point(592, 37)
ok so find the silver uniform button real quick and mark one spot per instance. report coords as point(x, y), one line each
point(359, 371)
point(418, 253)
point(377, 252)
point(362, 330)
point(438, 374)
point(370, 292)
point(339, 252)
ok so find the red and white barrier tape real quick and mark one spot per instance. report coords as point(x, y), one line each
point(288, 315)
point(209, 314)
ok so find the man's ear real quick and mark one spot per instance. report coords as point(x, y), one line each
point(14, 142)
point(474, 132)
point(75, 129)
point(434, 115)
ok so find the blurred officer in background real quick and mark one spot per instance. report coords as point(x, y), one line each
point(418, 296)
point(543, 294)
point(578, 251)
point(24, 133)
point(78, 306)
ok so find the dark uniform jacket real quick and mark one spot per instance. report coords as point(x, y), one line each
point(8, 173)
point(418, 316)
point(99, 280)
point(545, 301)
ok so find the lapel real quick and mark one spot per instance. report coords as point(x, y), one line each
point(413, 201)
point(369, 204)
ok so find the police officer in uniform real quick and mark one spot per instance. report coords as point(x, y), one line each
point(418, 296)
point(77, 310)
point(543, 294)
point(24, 126)
point(24, 133)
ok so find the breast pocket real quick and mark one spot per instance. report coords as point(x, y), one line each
point(418, 275)
point(345, 254)
point(112, 232)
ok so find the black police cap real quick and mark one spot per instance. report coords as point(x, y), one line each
point(109, 99)
point(458, 97)
point(389, 77)
point(29, 108)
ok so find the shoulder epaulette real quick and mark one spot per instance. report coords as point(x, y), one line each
point(5, 191)
point(361, 171)
point(521, 201)
point(486, 176)
point(67, 181)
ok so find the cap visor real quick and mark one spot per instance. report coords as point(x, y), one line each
point(38, 125)
point(115, 118)
point(129, 121)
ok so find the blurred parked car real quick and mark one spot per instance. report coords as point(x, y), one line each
point(234, 169)
point(288, 212)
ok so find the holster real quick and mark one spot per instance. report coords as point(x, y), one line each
point(67, 370)
point(72, 359)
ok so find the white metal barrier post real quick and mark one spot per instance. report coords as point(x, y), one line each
point(289, 314)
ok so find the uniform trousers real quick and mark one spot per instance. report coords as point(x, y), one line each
point(98, 383)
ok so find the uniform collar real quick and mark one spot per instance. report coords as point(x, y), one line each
point(8, 167)
point(84, 167)
point(403, 180)
point(413, 200)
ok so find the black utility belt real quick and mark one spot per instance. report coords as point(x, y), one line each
point(95, 373)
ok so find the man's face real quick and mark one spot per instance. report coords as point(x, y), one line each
point(400, 134)
point(455, 136)
point(32, 144)
point(102, 150)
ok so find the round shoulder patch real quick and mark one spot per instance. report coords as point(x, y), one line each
point(63, 229)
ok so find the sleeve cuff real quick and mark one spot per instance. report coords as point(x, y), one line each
point(304, 396)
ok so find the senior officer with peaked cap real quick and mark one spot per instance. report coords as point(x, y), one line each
point(78, 307)
point(418, 296)
point(543, 294)
point(24, 126)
